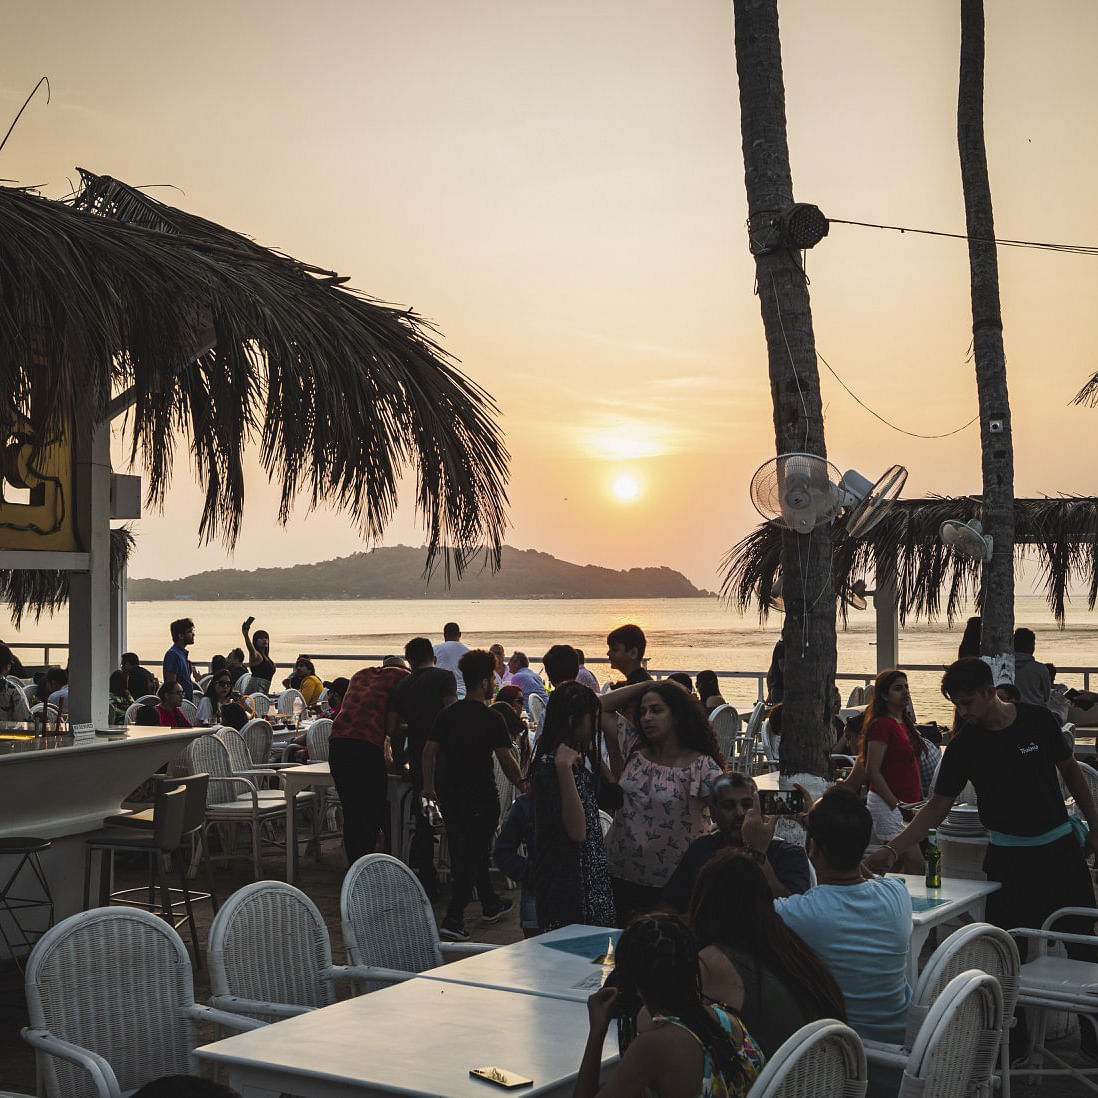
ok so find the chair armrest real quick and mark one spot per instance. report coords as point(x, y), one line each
point(885, 1055)
point(249, 787)
point(239, 1022)
point(233, 1004)
point(101, 1072)
point(1067, 912)
point(369, 972)
point(465, 949)
point(1044, 936)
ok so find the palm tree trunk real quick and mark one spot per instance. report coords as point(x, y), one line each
point(809, 629)
point(987, 342)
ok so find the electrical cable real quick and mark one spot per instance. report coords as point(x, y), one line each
point(1074, 249)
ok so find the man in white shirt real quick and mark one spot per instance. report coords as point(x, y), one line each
point(448, 654)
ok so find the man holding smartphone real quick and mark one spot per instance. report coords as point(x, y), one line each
point(734, 806)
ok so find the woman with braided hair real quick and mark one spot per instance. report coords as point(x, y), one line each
point(683, 1048)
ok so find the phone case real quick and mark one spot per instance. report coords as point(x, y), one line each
point(501, 1077)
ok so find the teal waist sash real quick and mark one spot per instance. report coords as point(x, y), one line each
point(1069, 826)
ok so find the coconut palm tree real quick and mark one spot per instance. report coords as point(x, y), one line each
point(996, 444)
point(809, 629)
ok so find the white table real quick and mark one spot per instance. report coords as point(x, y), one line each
point(535, 966)
point(956, 897)
point(319, 776)
point(417, 1039)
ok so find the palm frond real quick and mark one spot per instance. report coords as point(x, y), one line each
point(1060, 533)
point(1088, 394)
point(221, 342)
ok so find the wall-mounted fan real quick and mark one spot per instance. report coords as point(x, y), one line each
point(966, 538)
point(865, 503)
point(796, 491)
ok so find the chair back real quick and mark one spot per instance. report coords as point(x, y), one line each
point(208, 755)
point(605, 820)
point(148, 699)
point(726, 723)
point(979, 946)
point(116, 981)
point(316, 740)
point(241, 684)
point(286, 701)
point(194, 807)
point(261, 704)
point(1091, 776)
point(268, 942)
point(505, 791)
point(857, 697)
point(258, 735)
point(535, 704)
point(131, 711)
point(169, 807)
point(323, 697)
point(823, 1057)
point(204, 682)
point(387, 919)
point(239, 758)
point(189, 710)
point(954, 1053)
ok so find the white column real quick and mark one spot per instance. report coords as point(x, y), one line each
point(886, 605)
point(118, 619)
point(90, 592)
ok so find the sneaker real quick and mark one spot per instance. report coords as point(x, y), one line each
point(494, 914)
point(453, 932)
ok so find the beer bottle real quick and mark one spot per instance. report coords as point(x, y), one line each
point(933, 861)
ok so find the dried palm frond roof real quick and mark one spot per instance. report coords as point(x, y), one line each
point(1088, 394)
point(1060, 533)
point(208, 336)
point(45, 591)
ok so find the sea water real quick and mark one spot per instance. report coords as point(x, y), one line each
point(683, 634)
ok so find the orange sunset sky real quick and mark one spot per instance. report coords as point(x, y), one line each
point(558, 187)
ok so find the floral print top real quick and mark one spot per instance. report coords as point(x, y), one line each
point(750, 1056)
point(666, 808)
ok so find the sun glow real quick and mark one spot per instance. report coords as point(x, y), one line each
point(625, 487)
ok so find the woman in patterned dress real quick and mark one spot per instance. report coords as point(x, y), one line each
point(668, 766)
point(571, 878)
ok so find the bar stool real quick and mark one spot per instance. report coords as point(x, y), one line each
point(27, 849)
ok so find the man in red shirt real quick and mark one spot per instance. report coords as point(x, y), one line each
point(356, 754)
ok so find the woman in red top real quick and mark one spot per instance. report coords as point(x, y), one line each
point(167, 709)
point(891, 746)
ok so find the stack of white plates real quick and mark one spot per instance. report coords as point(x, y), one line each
point(963, 821)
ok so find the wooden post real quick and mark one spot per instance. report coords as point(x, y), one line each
point(886, 606)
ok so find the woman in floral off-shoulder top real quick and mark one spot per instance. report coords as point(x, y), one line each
point(670, 762)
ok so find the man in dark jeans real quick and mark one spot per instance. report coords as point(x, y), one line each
point(457, 764)
point(417, 701)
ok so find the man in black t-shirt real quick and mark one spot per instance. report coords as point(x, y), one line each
point(457, 763)
point(416, 702)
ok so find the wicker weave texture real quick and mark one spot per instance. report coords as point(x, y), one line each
point(387, 919)
point(822, 1058)
point(268, 942)
point(258, 735)
point(316, 740)
point(115, 981)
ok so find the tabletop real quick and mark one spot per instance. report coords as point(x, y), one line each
point(563, 964)
point(935, 905)
point(418, 1038)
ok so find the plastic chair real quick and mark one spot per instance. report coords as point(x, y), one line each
point(726, 724)
point(270, 956)
point(955, 1051)
point(286, 701)
point(111, 1001)
point(822, 1058)
point(1050, 982)
point(261, 704)
point(389, 924)
point(316, 739)
point(979, 947)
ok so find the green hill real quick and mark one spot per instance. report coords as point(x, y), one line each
point(397, 573)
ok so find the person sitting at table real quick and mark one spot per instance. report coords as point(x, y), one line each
point(140, 682)
point(583, 675)
point(219, 693)
point(751, 960)
point(260, 663)
point(119, 700)
point(55, 685)
point(337, 690)
point(304, 680)
point(571, 880)
point(234, 715)
point(732, 800)
point(709, 691)
point(168, 708)
point(683, 1046)
point(13, 700)
point(234, 664)
point(509, 705)
point(860, 929)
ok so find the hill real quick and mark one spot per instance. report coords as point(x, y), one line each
point(397, 573)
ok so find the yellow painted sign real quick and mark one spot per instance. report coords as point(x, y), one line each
point(36, 491)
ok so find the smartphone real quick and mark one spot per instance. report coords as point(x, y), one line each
point(501, 1077)
point(781, 802)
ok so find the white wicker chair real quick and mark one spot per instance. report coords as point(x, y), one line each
point(505, 790)
point(821, 1058)
point(1051, 982)
point(286, 701)
point(605, 820)
point(204, 682)
point(147, 699)
point(316, 740)
point(535, 706)
point(726, 724)
point(979, 947)
point(242, 766)
point(261, 704)
point(389, 924)
point(242, 683)
point(111, 1003)
point(189, 710)
point(958, 1043)
point(269, 954)
point(131, 712)
point(857, 697)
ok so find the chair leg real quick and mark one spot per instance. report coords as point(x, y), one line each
point(181, 864)
point(88, 855)
point(255, 847)
point(204, 857)
point(162, 881)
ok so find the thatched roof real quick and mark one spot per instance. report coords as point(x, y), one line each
point(45, 591)
point(1059, 533)
point(221, 342)
point(1088, 394)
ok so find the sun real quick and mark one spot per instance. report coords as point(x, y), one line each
point(625, 487)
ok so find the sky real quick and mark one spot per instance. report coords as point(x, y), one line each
point(558, 188)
